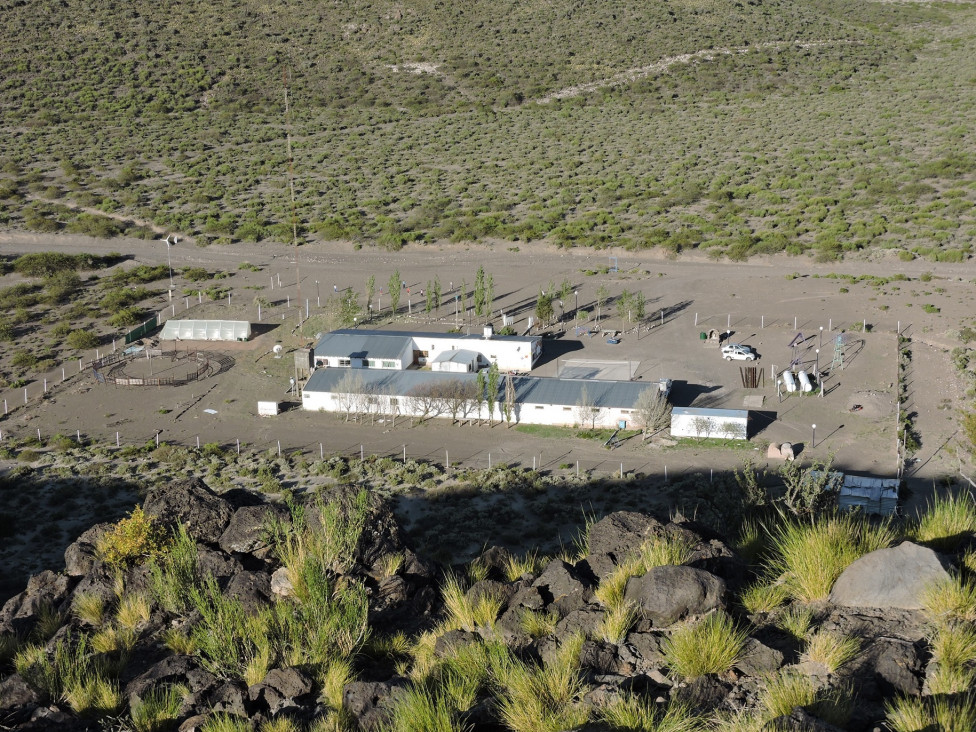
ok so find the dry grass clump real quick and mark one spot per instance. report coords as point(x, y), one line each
point(658, 551)
point(517, 566)
point(809, 556)
point(466, 612)
point(89, 608)
point(948, 521)
point(616, 623)
point(158, 709)
point(796, 621)
point(946, 714)
point(763, 597)
point(831, 650)
point(785, 691)
point(951, 600)
point(536, 623)
point(709, 646)
point(643, 714)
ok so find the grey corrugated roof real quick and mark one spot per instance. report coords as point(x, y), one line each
point(528, 389)
point(361, 344)
point(427, 334)
point(696, 412)
point(461, 355)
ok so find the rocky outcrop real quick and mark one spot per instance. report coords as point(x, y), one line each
point(234, 548)
point(890, 578)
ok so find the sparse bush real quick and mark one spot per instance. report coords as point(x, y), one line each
point(131, 540)
point(948, 521)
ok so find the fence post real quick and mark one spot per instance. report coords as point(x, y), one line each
point(361, 458)
point(321, 452)
point(447, 459)
point(279, 447)
point(78, 433)
point(577, 468)
point(25, 395)
point(118, 442)
point(238, 441)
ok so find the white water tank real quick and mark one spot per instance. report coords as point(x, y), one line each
point(805, 382)
point(789, 382)
point(488, 332)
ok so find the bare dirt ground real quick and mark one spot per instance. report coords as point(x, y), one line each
point(764, 302)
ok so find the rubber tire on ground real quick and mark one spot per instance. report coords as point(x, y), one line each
point(728, 358)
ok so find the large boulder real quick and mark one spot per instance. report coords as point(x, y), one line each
point(79, 557)
point(614, 537)
point(45, 591)
point(667, 594)
point(564, 587)
point(189, 502)
point(252, 589)
point(171, 671)
point(17, 699)
point(247, 530)
point(368, 701)
point(281, 689)
point(890, 578)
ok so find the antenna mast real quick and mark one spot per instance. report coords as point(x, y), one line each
point(291, 189)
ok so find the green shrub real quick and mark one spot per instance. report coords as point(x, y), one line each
point(831, 650)
point(643, 714)
point(159, 709)
point(131, 540)
point(915, 714)
point(82, 340)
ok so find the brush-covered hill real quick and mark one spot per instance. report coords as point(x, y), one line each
point(741, 126)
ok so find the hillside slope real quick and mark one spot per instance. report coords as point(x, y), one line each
point(745, 127)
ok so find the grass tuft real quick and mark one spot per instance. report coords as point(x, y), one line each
point(710, 646)
point(945, 714)
point(89, 608)
point(810, 555)
point(948, 521)
point(159, 709)
point(536, 623)
point(616, 623)
point(632, 712)
point(763, 597)
point(796, 621)
point(517, 566)
point(133, 610)
point(226, 723)
point(831, 650)
point(785, 691)
point(951, 600)
point(465, 612)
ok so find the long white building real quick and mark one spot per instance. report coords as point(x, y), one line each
point(397, 351)
point(427, 394)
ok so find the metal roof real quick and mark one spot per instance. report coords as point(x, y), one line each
point(362, 344)
point(696, 412)
point(435, 334)
point(528, 389)
point(461, 355)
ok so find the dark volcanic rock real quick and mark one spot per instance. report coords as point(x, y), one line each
point(79, 557)
point(890, 578)
point(231, 698)
point(253, 589)
point(564, 587)
point(281, 689)
point(757, 658)
point(895, 666)
point(704, 694)
point(368, 701)
point(800, 720)
point(246, 532)
point(189, 502)
point(171, 671)
point(45, 590)
point(17, 699)
point(614, 537)
point(666, 594)
point(216, 564)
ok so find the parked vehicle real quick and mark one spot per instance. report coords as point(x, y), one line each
point(738, 352)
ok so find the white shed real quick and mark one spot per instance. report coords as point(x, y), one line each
point(457, 361)
point(205, 330)
point(728, 424)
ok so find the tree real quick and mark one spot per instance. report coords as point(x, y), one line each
point(640, 305)
point(809, 491)
point(624, 307)
point(347, 391)
point(602, 293)
point(479, 291)
point(653, 410)
point(733, 430)
point(370, 288)
point(702, 427)
point(586, 410)
point(489, 297)
point(457, 395)
point(428, 298)
point(480, 386)
point(543, 308)
point(82, 339)
point(492, 395)
point(752, 483)
point(437, 293)
point(509, 399)
point(465, 304)
point(394, 285)
point(427, 400)
point(565, 290)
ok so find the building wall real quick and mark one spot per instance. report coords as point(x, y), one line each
point(683, 425)
point(544, 414)
point(509, 355)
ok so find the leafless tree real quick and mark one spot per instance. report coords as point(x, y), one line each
point(702, 427)
point(347, 392)
point(586, 410)
point(427, 401)
point(456, 395)
point(653, 411)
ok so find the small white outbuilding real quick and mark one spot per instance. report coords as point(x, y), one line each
point(460, 361)
point(727, 424)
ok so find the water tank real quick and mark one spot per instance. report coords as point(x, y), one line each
point(805, 382)
point(489, 332)
point(789, 382)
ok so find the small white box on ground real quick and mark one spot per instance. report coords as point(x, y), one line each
point(267, 409)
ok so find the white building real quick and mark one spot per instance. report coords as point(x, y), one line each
point(727, 424)
point(396, 351)
point(413, 393)
point(205, 330)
